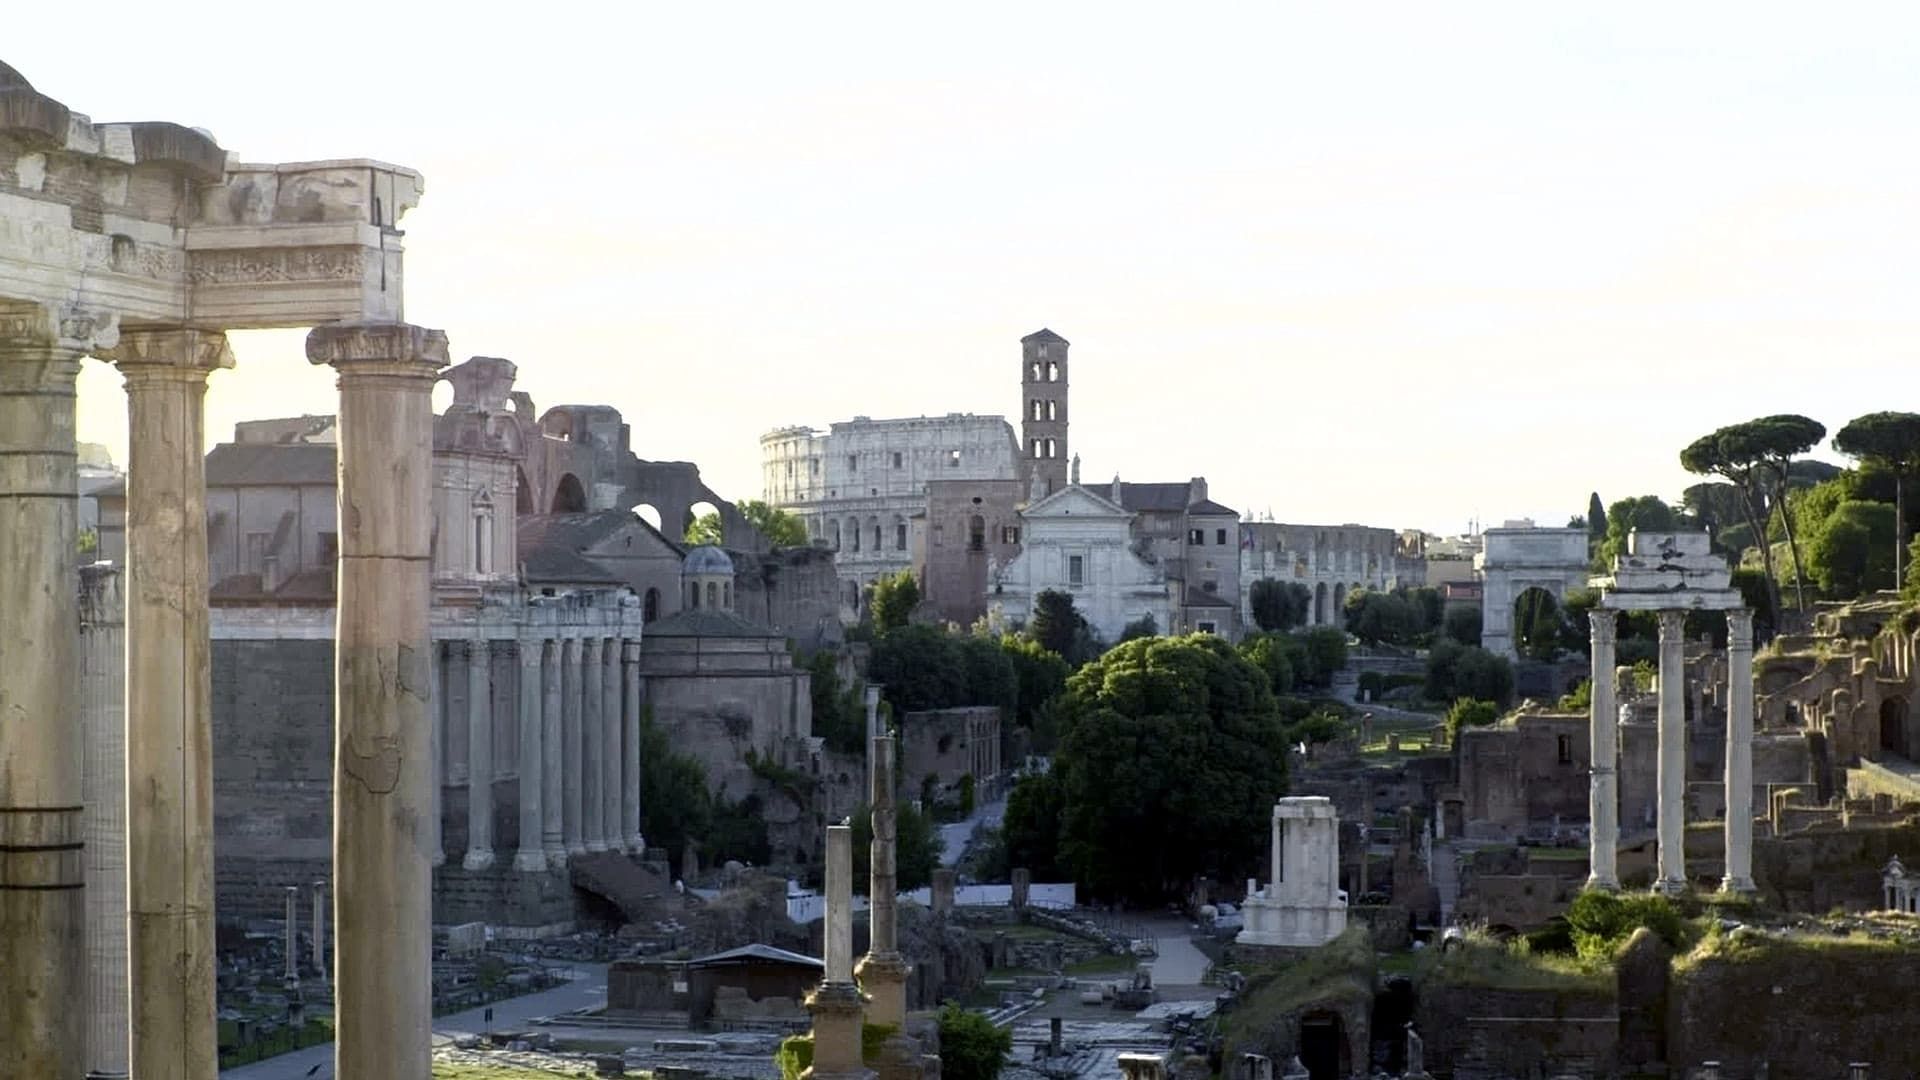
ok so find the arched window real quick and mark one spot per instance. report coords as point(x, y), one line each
point(713, 595)
point(650, 606)
point(1035, 372)
point(1053, 371)
point(693, 595)
point(569, 497)
point(726, 596)
point(482, 532)
point(1035, 449)
point(878, 543)
point(853, 533)
point(1049, 449)
point(1036, 408)
point(833, 535)
point(977, 533)
point(899, 534)
point(1053, 410)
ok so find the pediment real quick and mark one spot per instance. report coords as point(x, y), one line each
point(1075, 501)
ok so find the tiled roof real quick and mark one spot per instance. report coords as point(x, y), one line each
point(750, 953)
point(551, 545)
point(271, 465)
point(1044, 335)
point(1154, 498)
point(1208, 506)
point(707, 622)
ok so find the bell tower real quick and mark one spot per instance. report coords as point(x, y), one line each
point(1043, 409)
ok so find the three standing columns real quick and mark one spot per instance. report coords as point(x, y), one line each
point(42, 906)
point(1602, 739)
point(383, 769)
point(170, 729)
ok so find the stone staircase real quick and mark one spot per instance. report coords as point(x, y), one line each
point(642, 894)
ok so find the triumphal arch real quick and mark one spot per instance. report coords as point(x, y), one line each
point(141, 245)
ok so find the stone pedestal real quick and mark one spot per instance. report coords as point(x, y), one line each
point(1603, 729)
point(883, 974)
point(1671, 877)
point(1303, 905)
point(42, 905)
point(1739, 781)
point(383, 777)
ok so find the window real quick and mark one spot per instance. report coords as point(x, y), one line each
point(1220, 537)
point(1210, 586)
point(896, 459)
point(726, 595)
point(1035, 449)
point(1034, 374)
point(977, 533)
point(813, 466)
point(1197, 537)
point(853, 462)
point(693, 594)
point(650, 608)
point(1010, 534)
point(1053, 410)
point(713, 594)
point(1205, 628)
point(1043, 352)
point(1049, 449)
point(1035, 408)
point(481, 547)
point(853, 534)
point(1053, 372)
point(1076, 570)
point(900, 536)
point(877, 546)
point(953, 459)
point(1566, 749)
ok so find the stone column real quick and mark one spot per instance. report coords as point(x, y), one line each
point(382, 781)
point(630, 753)
point(570, 768)
point(103, 719)
point(1672, 772)
point(1276, 858)
point(883, 974)
point(592, 747)
point(42, 905)
point(1603, 723)
point(320, 929)
point(1739, 780)
point(479, 756)
point(291, 941)
point(170, 719)
point(612, 717)
point(837, 1004)
point(552, 754)
point(532, 856)
point(437, 730)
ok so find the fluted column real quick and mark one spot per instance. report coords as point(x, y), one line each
point(437, 736)
point(479, 756)
point(382, 782)
point(837, 1004)
point(170, 718)
point(1603, 720)
point(552, 752)
point(611, 725)
point(630, 752)
point(320, 929)
point(570, 768)
point(42, 903)
point(592, 749)
point(883, 974)
point(1276, 835)
point(1739, 781)
point(1672, 764)
point(103, 711)
point(530, 857)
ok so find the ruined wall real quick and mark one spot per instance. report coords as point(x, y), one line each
point(794, 591)
point(1483, 1033)
point(1819, 871)
point(954, 574)
point(946, 744)
point(718, 697)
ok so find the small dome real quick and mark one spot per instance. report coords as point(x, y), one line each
point(707, 559)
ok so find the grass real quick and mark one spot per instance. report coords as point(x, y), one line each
point(1482, 961)
point(461, 1070)
point(1105, 964)
point(1556, 854)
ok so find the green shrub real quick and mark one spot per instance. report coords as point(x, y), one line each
point(1467, 713)
point(971, 1047)
point(1600, 921)
point(1580, 700)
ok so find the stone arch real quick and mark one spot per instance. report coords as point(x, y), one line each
point(875, 534)
point(853, 535)
point(1535, 617)
point(569, 496)
point(1515, 560)
point(648, 513)
point(1339, 611)
point(899, 533)
point(704, 509)
point(522, 493)
point(833, 534)
point(1320, 604)
point(650, 606)
point(1894, 738)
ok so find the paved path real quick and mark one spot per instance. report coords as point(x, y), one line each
point(1446, 878)
point(589, 988)
point(1178, 962)
point(954, 838)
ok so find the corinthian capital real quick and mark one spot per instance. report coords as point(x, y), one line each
point(177, 348)
point(71, 329)
point(379, 348)
point(1673, 625)
point(1740, 629)
point(1602, 624)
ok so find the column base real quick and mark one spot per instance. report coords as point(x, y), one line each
point(597, 847)
point(576, 848)
point(1738, 886)
point(1671, 886)
point(530, 862)
point(556, 858)
point(477, 859)
point(636, 845)
point(439, 859)
point(1603, 884)
point(884, 980)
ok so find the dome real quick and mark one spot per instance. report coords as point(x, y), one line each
point(707, 559)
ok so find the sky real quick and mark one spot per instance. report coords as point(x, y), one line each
point(1400, 265)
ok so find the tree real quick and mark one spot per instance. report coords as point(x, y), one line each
point(674, 804)
point(1890, 440)
point(1171, 756)
point(916, 846)
point(1325, 650)
point(1144, 626)
point(920, 668)
point(1278, 605)
point(1852, 551)
point(1643, 513)
point(990, 675)
point(1596, 521)
point(972, 1047)
point(1462, 625)
point(1457, 671)
point(839, 713)
point(894, 599)
point(1468, 712)
point(1030, 826)
point(1774, 441)
point(704, 529)
point(781, 528)
point(1272, 653)
point(1056, 625)
point(1726, 454)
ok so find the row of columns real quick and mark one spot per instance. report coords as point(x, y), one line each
point(578, 730)
point(1671, 760)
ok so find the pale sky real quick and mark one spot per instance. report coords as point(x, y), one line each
point(1397, 265)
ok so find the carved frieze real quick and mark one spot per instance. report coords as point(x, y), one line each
point(263, 265)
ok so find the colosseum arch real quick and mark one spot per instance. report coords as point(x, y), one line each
point(1512, 561)
point(569, 497)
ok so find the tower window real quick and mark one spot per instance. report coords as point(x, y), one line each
point(1049, 449)
point(1053, 410)
point(1220, 537)
point(1035, 372)
point(1035, 452)
point(1053, 371)
point(1010, 534)
point(1035, 404)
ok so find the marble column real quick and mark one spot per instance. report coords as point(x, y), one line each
point(479, 756)
point(1276, 836)
point(1672, 763)
point(42, 871)
point(593, 825)
point(170, 718)
point(531, 856)
point(383, 778)
point(552, 753)
point(437, 734)
point(883, 974)
point(1603, 723)
point(290, 943)
point(320, 929)
point(612, 730)
point(1739, 780)
point(837, 1004)
point(570, 766)
point(103, 718)
point(636, 844)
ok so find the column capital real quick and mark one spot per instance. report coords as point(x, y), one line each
point(177, 351)
point(630, 650)
point(63, 332)
point(1673, 625)
point(530, 650)
point(1602, 625)
point(1740, 628)
point(379, 348)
